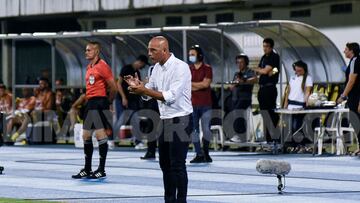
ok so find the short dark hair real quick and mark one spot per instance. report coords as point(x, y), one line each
point(244, 56)
point(44, 79)
point(143, 59)
point(95, 43)
point(353, 46)
point(269, 41)
point(2, 86)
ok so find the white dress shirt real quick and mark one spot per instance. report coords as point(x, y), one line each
point(173, 80)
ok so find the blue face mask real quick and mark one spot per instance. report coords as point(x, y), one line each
point(192, 59)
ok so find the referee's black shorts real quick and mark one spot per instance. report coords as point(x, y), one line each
point(97, 114)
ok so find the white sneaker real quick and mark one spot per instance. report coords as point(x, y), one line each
point(140, 146)
point(111, 144)
point(235, 138)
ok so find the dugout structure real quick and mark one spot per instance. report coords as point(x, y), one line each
point(293, 41)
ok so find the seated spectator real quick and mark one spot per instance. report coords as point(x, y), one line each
point(76, 110)
point(59, 82)
point(21, 116)
point(297, 96)
point(63, 105)
point(44, 102)
point(44, 105)
point(5, 108)
point(5, 100)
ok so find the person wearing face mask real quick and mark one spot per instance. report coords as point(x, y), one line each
point(201, 100)
point(297, 95)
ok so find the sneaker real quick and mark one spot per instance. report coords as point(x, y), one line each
point(97, 174)
point(198, 159)
point(14, 137)
point(82, 174)
point(111, 144)
point(9, 143)
point(291, 150)
point(148, 155)
point(207, 158)
point(140, 146)
point(235, 138)
point(356, 153)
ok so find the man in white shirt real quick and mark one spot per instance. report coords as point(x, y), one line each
point(170, 85)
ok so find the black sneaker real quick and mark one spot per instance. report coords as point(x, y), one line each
point(208, 159)
point(97, 174)
point(198, 159)
point(82, 174)
point(9, 143)
point(148, 155)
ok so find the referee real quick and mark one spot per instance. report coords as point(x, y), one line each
point(99, 79)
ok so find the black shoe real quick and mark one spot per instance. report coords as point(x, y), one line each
point(148, 155)
point(82, 174)
point(1, 169)
point(97, 174)
point(9, 143)
point(198, 159)
point(208, 159)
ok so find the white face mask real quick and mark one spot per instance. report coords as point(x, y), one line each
point(192, 59)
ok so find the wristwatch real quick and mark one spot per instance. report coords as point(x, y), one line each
point(343, 97)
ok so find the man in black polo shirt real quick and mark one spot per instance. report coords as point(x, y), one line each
point(131, 101)
point(268, 70)
point(351, 92)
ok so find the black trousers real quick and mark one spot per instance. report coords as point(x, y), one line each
point(267, 102)
point(352, 103)
point(148, 126)
point(173, 147)
point(240, 124)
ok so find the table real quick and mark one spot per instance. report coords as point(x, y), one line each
point(336, 120)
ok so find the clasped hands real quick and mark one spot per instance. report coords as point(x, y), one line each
point(136, 86)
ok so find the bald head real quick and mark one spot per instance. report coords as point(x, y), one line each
point(161, 42)
point(158, 49)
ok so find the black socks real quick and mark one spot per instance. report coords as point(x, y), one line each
point(103, 149)
point(88, 151)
